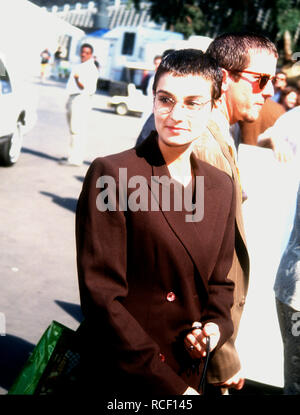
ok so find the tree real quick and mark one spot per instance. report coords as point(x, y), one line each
point(287, 19)
point(277, 19)
point(179, 15)
point(191, 21)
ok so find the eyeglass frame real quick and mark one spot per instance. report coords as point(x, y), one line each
point(194, 111)
point(261, 75)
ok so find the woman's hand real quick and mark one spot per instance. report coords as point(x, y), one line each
point(195, 341)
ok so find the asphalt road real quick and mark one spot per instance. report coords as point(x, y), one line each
point(37, 211)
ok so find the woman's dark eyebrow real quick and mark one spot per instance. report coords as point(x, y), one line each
point(161, 91)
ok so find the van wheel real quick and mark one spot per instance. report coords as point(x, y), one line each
point(11, 149)
point(121, 109)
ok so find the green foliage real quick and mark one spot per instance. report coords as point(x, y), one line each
point(191, 21)
point(288, 17)
point(210, 18)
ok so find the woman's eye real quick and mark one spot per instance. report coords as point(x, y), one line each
point(165, 100)
point(193, 104)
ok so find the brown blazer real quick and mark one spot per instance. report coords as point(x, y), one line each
point(212, 148)
point(146, 276)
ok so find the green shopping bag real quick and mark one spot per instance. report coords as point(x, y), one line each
point(53, 366)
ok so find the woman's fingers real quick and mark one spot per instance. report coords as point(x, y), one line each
point(196, 341)
point(212, 330)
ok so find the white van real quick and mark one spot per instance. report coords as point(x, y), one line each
point(16, 114)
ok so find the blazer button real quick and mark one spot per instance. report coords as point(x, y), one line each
point(171, 296)
point(162, 357)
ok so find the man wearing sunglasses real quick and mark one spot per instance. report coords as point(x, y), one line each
point(248, 62)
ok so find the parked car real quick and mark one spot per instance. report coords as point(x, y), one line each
point(17, 113)
point(134, 102)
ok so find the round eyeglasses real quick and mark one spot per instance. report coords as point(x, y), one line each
point(165, 104)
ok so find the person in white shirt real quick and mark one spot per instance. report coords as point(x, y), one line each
point(81, 86)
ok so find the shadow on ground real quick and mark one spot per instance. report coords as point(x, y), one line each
point(39, 154)
point(14, 353)
point(73, 309)
point(65, 202)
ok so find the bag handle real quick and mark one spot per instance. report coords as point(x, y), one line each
point(203, 376)
point(206, 359)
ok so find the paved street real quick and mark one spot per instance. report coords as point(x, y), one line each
point(37, 211)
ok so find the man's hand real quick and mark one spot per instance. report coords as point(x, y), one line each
point(195, 341)
point(79, 84)
point(236, 382)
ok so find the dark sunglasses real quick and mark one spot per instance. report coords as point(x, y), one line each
point(264, 78)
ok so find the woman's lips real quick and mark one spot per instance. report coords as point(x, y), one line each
point(176, 129)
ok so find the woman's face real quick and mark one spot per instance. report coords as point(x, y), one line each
point(182, 106)
point(290, 100)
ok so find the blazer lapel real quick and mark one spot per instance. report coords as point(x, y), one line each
point(195, 237)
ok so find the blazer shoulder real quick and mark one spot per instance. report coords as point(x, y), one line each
point(113, 162)
point(215, 176)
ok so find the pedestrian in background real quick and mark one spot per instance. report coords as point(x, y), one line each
point(149, 93)
point(280, 82)
point(81, 86)
point(57, 60)
point(284, 139)
point(289, 98)
point(45, 58)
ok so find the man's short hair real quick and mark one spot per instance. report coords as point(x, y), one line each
point(232, 50)
point(87, 45)
point(184, 62)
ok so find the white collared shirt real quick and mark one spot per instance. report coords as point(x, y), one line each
point(88, 75)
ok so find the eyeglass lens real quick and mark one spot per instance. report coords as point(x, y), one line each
point(264, 79)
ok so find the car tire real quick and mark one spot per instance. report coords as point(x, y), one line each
point(121, 109)
point(11, 149)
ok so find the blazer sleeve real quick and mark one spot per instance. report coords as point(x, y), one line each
point(220, 294)
point(101, 258)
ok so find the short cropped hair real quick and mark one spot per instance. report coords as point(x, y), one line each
point(87, 45)
point(232, 50)
point(184, 62)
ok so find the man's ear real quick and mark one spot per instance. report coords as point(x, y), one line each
point(225, 80)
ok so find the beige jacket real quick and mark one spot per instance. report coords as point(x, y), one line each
point(214, 148)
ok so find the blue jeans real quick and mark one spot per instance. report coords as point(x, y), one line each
point(290, 333)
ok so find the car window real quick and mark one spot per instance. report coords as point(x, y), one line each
point(5, 85)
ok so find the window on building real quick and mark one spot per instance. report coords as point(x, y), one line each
point(128, 43)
